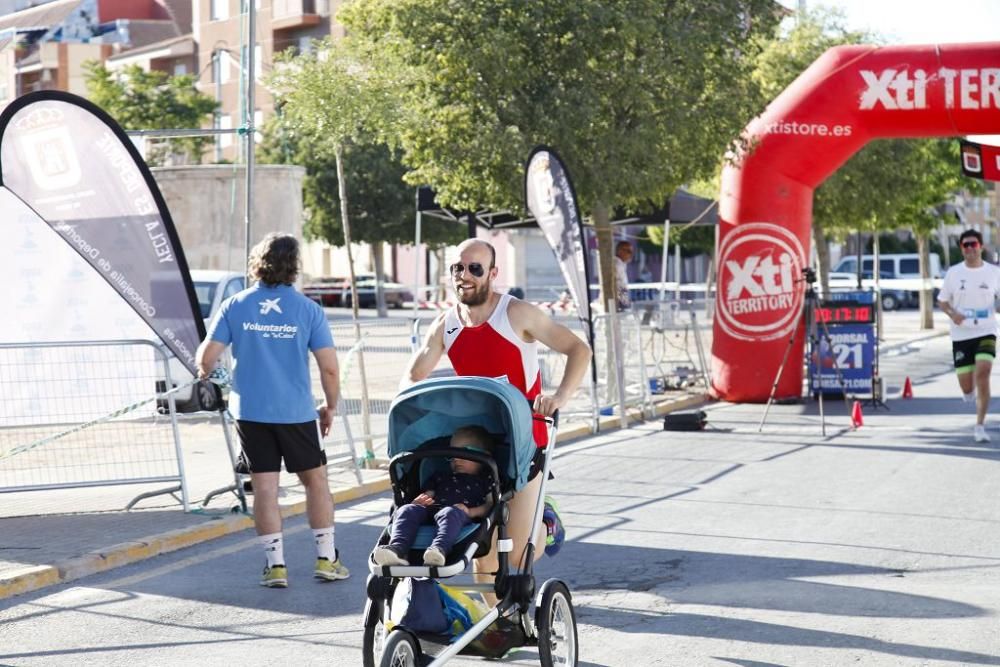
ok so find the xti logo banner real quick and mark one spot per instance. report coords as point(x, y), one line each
point(760, 291)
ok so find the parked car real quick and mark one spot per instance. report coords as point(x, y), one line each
point(335, 292)
point(891, 265)
point(214, 287)
point(895, 266)
point(211, 288)
point(891, 298)
point(327, 292)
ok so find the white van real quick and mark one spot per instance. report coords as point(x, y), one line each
point(891, 265)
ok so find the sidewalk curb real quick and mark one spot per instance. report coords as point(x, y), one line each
point(33, 577)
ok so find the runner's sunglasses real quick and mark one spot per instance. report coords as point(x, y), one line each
point(970, 244)
point(475, 268)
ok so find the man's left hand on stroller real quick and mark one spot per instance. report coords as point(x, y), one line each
point(548, 405)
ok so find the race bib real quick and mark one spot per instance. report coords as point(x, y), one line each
point(973, 315)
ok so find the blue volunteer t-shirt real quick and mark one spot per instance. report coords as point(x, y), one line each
point(272, 330)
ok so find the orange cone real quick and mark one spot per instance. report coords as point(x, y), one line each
point(857, 419)
point(907, 388)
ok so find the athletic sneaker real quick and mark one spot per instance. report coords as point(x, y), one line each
point(433, 557)
point(979, 434)
point(275, 576)
point(388, 556)
point(555, 533)
point(328, 571)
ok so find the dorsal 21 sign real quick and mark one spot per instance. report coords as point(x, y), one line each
point(980, 160)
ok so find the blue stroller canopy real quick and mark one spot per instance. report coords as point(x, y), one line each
point(434, 408)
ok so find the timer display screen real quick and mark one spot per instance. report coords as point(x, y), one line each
point(843, 312)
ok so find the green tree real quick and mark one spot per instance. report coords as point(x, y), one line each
point(141, 100)
point(381, 206)
point(638, 96)
point(331, 104)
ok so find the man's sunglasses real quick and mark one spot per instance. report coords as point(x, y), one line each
point(970, 244)
point(475, 268)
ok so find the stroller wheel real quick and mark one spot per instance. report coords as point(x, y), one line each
point(373, 640)
point(555, 623)
point(401, 650)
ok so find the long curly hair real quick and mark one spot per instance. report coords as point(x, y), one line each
point(275, 260)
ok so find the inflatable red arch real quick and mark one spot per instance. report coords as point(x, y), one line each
point(849, 96)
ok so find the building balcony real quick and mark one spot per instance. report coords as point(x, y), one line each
point(288, 14)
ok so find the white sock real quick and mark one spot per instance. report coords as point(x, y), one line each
point(325, 547)
point(273, 549)
point(970, 397)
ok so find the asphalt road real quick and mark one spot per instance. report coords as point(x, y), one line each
point(879, 546)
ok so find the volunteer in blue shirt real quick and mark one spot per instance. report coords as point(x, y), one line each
point(272, 328)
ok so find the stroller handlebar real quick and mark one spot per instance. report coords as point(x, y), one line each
point(551, 421)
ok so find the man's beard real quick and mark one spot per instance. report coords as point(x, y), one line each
point(475, 298)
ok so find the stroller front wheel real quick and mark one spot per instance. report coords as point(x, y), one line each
point(401, 650)
point(555, 622)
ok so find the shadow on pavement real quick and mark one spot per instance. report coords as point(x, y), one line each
point(744, 581)
point(756, 632)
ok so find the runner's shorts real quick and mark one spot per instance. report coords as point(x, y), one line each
point(265, 445)
point(966, 352)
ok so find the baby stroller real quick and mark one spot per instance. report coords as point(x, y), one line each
point(421, 421)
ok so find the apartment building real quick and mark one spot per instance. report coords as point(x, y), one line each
point(44, 47)
point(219, 32)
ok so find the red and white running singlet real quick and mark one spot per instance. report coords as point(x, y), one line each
point(493, 349)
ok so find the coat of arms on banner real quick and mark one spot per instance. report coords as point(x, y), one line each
point(48, 149)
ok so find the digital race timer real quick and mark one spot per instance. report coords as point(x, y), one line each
point(844, 312)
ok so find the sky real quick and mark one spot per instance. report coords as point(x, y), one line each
point(915, 22)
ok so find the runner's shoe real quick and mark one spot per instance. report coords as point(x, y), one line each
point(555, 533)
point(979, 434)
point(275, 576)
point(328, 571)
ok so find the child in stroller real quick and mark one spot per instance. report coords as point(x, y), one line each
point(451, 499)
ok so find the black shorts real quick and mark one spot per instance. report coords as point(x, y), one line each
point(967, 352)
point(265, 445)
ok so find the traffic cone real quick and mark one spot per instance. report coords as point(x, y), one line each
point(907, 388)
point(857, 419)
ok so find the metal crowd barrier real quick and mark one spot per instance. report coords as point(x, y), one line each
point(674, 345)
point(371, 367)
point(84, 414)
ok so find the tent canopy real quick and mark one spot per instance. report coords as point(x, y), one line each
point(683, 207)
